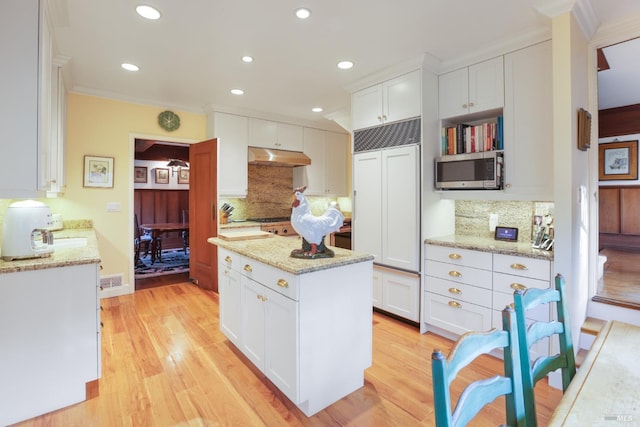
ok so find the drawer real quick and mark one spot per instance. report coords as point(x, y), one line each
point(459, 273)
point(539, 313)
point(459, 291)
point(230, 259)
point(522, 266)
point(455, 316)
point(277, 280)
point(508, 283)
point(466, 257)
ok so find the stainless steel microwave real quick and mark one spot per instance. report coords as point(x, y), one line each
point(472, 171)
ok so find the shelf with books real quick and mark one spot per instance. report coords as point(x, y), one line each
point(472, 136)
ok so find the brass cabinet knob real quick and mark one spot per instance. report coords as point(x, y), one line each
point(283, 283)
point(518, 266)
point(455, 256)
point(518, 287)
point(227, 259)
point(248, 268)
point(455, 291)
point(455, 304)
point(454, 273)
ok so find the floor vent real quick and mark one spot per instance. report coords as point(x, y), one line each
point(113, 281)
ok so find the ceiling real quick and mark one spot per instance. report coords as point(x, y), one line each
point(189, 59)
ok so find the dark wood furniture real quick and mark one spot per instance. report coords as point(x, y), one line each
point(156, 230)
point(619, 222)
point(156, 206)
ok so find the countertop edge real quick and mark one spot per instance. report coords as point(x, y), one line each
point(486, 244)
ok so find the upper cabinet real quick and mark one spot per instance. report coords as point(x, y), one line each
point(327, 173)
point(387, 102)
point(268, 134)
point(528, 120)
point(473, 89)
point(31, 115)
point(233, 135)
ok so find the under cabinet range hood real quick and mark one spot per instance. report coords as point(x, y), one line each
point(273, 157)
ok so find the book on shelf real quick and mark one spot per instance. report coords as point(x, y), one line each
point(472, 138)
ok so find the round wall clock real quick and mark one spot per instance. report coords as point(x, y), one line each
point(169, 121)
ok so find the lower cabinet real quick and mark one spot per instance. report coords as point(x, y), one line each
point(397, 292)
point(310, 334)
point(50, 335)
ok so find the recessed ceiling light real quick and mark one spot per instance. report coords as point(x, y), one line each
point(316, 109)
point(303, 13)
point(237, 91)
point(148, 12)
point(345, 65)
point(247, 58)
point(130, 67)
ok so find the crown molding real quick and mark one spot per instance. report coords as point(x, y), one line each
point(386, 74)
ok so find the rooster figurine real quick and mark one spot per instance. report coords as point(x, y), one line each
point(312, 228)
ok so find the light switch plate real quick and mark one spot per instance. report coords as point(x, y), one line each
point(113, 207)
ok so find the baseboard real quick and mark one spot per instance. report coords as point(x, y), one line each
point(115, 292)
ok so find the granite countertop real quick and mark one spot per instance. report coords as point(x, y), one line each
point(61, 257)
point(488, 244)
point(240, 224)
point(275, 251)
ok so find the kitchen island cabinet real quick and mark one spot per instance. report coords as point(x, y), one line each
point(306, 324)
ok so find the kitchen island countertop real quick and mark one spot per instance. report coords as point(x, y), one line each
point(61, 257)
point(276, 250)
point(488, 244)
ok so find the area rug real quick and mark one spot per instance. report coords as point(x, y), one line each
point(172, 261)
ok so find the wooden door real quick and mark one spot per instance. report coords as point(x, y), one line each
point(203, 161)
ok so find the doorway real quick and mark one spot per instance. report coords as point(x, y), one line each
point(160, 209)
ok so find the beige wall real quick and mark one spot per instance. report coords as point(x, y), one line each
point(104, 127)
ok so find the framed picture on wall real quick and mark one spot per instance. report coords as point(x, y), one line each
point(618, 160)
point(183, 175)
point(140, 174)
point(98, 172)
point(162, 176)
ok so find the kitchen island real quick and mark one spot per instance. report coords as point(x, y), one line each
point(306, 324)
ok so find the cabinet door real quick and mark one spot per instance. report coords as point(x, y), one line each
point(401, 208)
point(402, 97)
point(367, 204)
point(486, 85)
point(289, 137)
point(230, 290)
point(528, 119)
point(453, 93)
point(455, 316)
point(281, 341)
point(377, 288)
point(254, 309)
point(335, 164)
point(233, 137)
point(263, 133)
point(366, 107)
point(401, 294)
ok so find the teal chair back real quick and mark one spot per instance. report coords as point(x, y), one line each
point(482, 392)
point(534, 332)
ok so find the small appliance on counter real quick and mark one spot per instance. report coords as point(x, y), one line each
point(25, 231)
point(56, 223)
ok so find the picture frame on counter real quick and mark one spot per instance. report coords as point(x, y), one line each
point(183, 175)
point(98, 172)
point(140, 174)
point(162, 175)
point(618, 160)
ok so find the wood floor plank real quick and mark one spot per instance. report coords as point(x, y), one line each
point(166, 363)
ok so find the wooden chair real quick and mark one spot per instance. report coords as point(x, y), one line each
point(529, 335)
point(482, 392)
point(185, 233)
point(142, 242)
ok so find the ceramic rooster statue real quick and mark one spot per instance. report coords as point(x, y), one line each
point(312, 228)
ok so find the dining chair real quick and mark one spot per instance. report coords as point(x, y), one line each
point(142, 242)
point(185, 233)
point(537, 330)
point(479, 393)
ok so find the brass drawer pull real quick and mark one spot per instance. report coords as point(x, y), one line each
point(227, 259)
point(518, 266)
point(283, 283)
point(455, 256)
point(261, 298)
point(455, 291)
point(454, 273)
point(455, 304)
point(248, 268)
point(518, 287)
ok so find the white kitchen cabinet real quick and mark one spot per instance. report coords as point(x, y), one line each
point(286, 333)
point(232, 132)
point(386, 188)
point(50, 334)
point(528, 123)
point(398, 292)
point(269, 134)
point(473, 89)
point(327, 173)
point(393, 100)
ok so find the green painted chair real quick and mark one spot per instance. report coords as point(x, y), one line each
point(534, 332)
point(482, 392)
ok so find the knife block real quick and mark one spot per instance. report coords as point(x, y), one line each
point(224, 218)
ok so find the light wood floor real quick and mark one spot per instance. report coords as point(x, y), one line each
point(165, 363)
point(620, 284)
